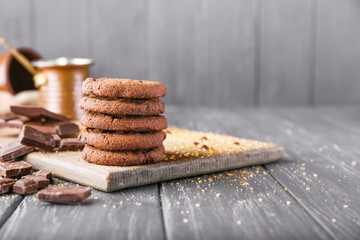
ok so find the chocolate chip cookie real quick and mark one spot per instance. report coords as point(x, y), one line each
point(123, 106)
point(124, 123)
point(117, 140)
point(123, 158)
point(123, 88)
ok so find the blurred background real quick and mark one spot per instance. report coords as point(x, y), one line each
point(221, 53)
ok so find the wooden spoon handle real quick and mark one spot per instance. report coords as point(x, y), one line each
point(19, 57)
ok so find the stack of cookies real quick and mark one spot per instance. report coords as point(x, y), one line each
point(123, 121)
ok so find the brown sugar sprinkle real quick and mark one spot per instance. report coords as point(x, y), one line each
point(236, 143)
point(182, 143)
point(205, 147)
point(204, 138)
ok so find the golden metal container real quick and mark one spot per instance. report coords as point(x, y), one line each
point(61, 90)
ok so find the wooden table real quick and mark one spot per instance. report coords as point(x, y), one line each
point(313, 193)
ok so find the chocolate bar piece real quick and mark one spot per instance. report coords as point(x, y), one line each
point(6, 184)
point(25, 186)
point(44, 173)
point(5, 118)
point(64, 195)
point(16, 122)
point(40, 181)
point(12, 150)
point(60, 128)
point(14, 169)
point(34, 138)
point(34, 112)
point(71, 144)
point(57, 140)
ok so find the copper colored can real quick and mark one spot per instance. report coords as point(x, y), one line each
point(61, 93)
point(14, 77)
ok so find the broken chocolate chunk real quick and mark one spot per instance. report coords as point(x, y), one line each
point(64, 195)
point(5, 118)
point(40, 181)
point(34, 112)
point(16, 122)
point(51, 127)
point(14, 169)
point(57, 140)
point(6, 184)
point(25, 186)
point(44, 173)
point(71, 144)
point(12, 150)
point(32, 137)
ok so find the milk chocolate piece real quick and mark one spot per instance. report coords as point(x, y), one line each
point(6, 184)
point(60, 128)
point(12, 150)
point(64, 195)
point(25, 186)
point(44, 173)
point(40, 181)
point(14, 169)
point(57, 140)
point(71, 144)
point(34, 112)
point(32, 137)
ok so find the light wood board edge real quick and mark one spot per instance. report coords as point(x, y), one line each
point(68, 169)
point(165, 171)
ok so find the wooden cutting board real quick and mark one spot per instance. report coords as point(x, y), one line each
point(189, 153)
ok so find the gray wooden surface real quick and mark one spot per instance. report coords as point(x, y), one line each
point(207, 52)
point(313, 193)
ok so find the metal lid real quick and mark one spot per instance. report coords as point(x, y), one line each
point(62, 61)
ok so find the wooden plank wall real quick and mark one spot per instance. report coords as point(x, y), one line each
point(218, 53)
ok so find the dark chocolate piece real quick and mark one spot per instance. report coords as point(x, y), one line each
point(12, 150)
point(60, 128)
point(40, 181)
point(57, 140)
point(6, 184)
point(64, 195)
point(71, 144)
point(34, 112)
point(25, 186)
point(5, 118)
point(44, 173)
point(14, 169)
point(34, 138)
point(17, 122)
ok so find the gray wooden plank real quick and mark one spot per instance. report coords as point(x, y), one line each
point(322, 179)
point(344, 124)
point(15, 23)
point(60, 28)
point(178, 48)
point(287, 52)
point(8, 204)
point(338, 51)
point(247, 202)
point(231, 46)
point(128, 214)
point(117, 38)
